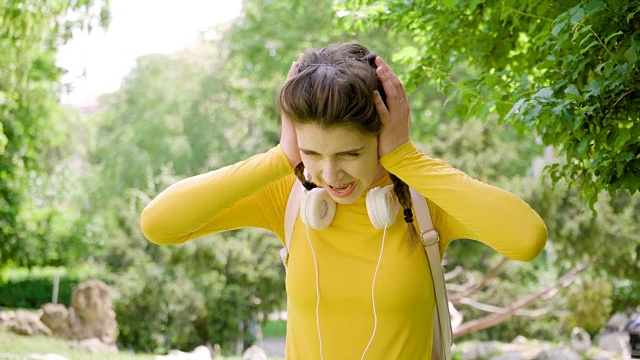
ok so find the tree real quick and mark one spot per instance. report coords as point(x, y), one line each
point(31, 33)
point(223, 113)
point(565, 70)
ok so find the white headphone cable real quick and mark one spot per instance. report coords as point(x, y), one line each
point(315, 264)
point(373, 298)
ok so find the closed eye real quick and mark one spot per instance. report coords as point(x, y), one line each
point(351, 154)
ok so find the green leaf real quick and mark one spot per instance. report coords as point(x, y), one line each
point(584, 144)
point(572, 90)
point(577, 15)
point(449, 3)
point(631, 55)
point(606, 40)
point(406, 53)
point(545, 93)
point(451, 96)
point(593, 43)
point(534, 112)
point(502, 109)
point(593, 88)
point(557, 28)
point(623, 136)
point(516, 108)
point(593, 6)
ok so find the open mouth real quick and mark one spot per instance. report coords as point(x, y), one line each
point(342, 190)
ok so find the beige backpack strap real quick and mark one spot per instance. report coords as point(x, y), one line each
point(290, 216)
point(442, 324)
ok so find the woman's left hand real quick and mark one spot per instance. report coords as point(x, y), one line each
point(396, 118)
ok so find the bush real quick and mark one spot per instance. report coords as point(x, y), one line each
point(202, 292)
point(32, 288)
point(590, 303)
point(156, 309)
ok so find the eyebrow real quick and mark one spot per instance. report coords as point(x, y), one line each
point(307, 151)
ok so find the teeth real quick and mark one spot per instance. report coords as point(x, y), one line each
point(342, 187)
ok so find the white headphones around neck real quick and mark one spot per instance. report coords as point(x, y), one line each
point(317, 208)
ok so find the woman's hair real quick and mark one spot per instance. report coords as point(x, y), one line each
point(334, 87)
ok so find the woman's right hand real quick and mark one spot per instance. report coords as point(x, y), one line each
point(288, 137)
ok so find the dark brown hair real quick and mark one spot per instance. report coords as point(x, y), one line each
point(334, 87)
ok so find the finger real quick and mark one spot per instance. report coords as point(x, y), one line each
point(382, 71)
point(294, 66)
point(383, 112)
point(390, 82)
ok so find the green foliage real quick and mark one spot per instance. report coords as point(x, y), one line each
point(32, 288)
point(609, 241)
point(626, 295)
point(31, 33)
point(210, 106)
point(490, 152)
point(566, 70)
point(590, 304)
point(228, 280)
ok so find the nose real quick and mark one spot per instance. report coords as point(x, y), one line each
point(331, 172)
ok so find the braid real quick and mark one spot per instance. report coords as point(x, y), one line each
point(299, 172)
point(404, 197)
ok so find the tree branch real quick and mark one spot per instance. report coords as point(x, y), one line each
point(455, 299)
point(505, 313)
point(620, 98)
point(499, 310)
point(453, 273)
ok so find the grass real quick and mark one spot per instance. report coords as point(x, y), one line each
point(274, 329)
point(17, 347)
point(14, 346)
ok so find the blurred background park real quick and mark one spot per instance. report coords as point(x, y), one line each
point(104, 103)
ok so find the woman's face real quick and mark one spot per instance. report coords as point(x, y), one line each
point(340, 159)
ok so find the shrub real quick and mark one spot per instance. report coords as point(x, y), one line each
point(32, 288)
point(202, 292)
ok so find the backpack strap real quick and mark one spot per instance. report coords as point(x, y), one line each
point(290, 216)
point(442, 333)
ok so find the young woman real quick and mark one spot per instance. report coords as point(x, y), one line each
point(354, 291)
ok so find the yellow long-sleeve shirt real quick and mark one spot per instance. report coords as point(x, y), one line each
point(254, 193)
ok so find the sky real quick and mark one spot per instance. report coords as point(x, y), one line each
point(97, 62)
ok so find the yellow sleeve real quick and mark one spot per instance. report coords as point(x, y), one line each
point(251, 193)
point(462, 207)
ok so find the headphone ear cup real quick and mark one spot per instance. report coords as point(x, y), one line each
point(382, 207)
point(317, 208)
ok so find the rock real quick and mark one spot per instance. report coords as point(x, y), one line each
point(95, 346)
point(597, 354)
point(199, 353)
point(217, 351)
point(617, 322)
point(480, 350)
point(509, 356)
point(91, 314)
point(563, 353)
point(521, 340)
point(56, 317)
point(26, 323)
point(254, 353)
point(5, 316)
point(580, 340)
point(49, 356)
point(616, 342)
